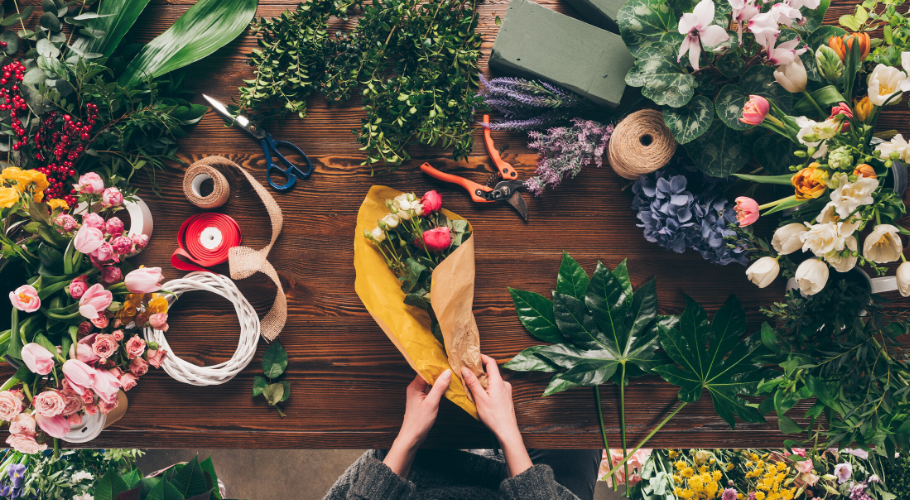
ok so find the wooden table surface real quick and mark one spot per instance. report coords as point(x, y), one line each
point(347, 379)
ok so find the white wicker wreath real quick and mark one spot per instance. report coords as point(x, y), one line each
point(189, 373)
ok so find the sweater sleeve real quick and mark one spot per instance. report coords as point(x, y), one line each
point(374, 480)
point(536, 483)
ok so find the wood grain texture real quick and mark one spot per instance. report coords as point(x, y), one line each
point(347, 379)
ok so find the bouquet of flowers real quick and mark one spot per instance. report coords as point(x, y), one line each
point(70, 474)
point(76, 321)
point(424, 303)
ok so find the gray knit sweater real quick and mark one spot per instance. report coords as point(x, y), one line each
point(445, 475)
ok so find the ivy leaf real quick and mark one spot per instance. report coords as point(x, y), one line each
point(714, 356)
point(572, 279)
point(721, 151)
point(689, 122)
point(664, 80)
point(536, 314)
point(274, 360)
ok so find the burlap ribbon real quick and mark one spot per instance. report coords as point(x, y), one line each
point(244, 261)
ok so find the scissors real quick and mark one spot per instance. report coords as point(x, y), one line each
point(507, 189)
point(269, 146)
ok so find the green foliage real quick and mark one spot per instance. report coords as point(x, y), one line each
point(104, 29)
point(897, 476)
point(71, 472)
point(721, 151)
point(274, 363)
point(416, 87)
point(190, 481)
point(689, 122)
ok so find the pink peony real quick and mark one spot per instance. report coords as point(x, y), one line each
point(746, 211)
point(114, 226)
point(10, 405)
point(56, 426)
point(159, 321)
point(122, 245)
point(438, 239)
point(112, 197)
point(90, 183)
point(94, 220)
point(111, 274)
point(156, 356)
point(25, 298)
point(128, 381)
point(107, 406)
point(74, 419)
point(25, 444)
point(755, 110)
point(139, 367)
point(144, 280)
point(66, 222)
point(23, 424)
point(135, 346)
point(95, 300)
point(79, 375)
point(88, 239)
point(106, 385)
point(49, 403)
point(38, 359)
point(431, 202)
point(140, 240)
point(104, 252)
point(85, 328)
point(77, 287)
point(101, 322)
point(118, 335)
point(105, 346)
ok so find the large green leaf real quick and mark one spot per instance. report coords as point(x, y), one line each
point(164, 490)
point(114, 18)
point(211, 477)
point(572, 279)
point(689, 122)
point(721, 151)
point(648, 23)
point(529, 361)
point(664, 80)
point(759, 80)
point(714, 356)
point(536, 314)
point(190, 480)
point(204, 28)
point(108, 486)
point(729, 105)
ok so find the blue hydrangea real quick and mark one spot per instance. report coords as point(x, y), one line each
point(679, 208)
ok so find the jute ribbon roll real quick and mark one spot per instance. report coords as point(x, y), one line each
point(192, 183)
point(244, 261)
point(640, 144)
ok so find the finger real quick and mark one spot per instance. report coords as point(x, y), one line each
point(473, 384)
point(418, 385)
point(492, 368)
point(439, 387)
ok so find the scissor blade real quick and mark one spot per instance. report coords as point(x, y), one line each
point(518, 201)
point(238, 121)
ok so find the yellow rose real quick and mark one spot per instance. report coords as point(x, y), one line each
point(809, 183)
point(8, 197)
point(158, 305)
point(36, 181)
point(57, 203)
point(11, 175)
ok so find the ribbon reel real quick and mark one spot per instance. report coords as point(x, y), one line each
point(205, 240)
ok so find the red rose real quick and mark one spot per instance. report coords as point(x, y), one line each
point(431, 202)
point(438, 239)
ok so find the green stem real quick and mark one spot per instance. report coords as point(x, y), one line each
point(649, 436)
point(776, 203)
point(603, 433)
point(9, 384)
point(622, 423)
point(817, 107)
point(28, 393)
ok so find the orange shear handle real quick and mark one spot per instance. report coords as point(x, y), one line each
point(470, 186)
point(505, 170)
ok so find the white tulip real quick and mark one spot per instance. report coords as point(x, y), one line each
point(390, 220)
point(786, 239)
point(897, 144)
point(378, 235)
point(807, 127)
point(812, 275)
point(884, 82)
point(839, 262)
point(792, 76)
point(763, 271)
point(903, 273)
point(851, 195)
point(883, 244)
point(821, 239)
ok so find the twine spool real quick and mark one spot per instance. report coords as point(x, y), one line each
point(640, 144)
point(192, 183)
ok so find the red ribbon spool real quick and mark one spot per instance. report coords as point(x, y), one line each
point(198, 241)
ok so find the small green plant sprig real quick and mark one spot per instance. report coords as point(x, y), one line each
point(274, 362)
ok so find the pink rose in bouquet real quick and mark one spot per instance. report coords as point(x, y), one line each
point(112, 197)
point(139, 367)
point(49, 403)
point(156, 357)
point(66, 222)
point(111, 274)
point(135, 346)
point(104, 252)
point(10, 405)
point(25, 444)
point(94, 220)
point(128, 381)
point(158, 321)
point(141, 241)
point(95, 300)
point(85, 328)
point(122, 245)
point(25, 298)
point(77, 287)
point(90, 183)
point(23, 424)
point(74, 403)
point(431, 202)
point(101, 321)
point(437, 240)
point(105, 346)
point(118, 335)
point(106, 407)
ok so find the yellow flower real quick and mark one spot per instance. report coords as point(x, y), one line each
point(25, 180)
point(739, 496)
point(703, 469)
point(677, 479)
point(673, 454)
point(678, 491)
point(158, 304)
point(753, 457)
point(130, 307)
point(729, 467)
point(10, 175)
point(8, 197)
point(862, 109)
point(809, 183)
point(680, 465)
point(716, 475)
point(759, 495)
point(57, 203)
point(687, 472)
point(687, 494)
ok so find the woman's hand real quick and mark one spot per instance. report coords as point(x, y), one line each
point(496, 411)
point(419, 416)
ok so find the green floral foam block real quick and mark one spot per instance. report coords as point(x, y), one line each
point(601, 13)
point(536, 42)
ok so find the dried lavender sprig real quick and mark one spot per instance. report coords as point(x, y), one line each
point(539, 122)
point(564, 151)
point(530, 104)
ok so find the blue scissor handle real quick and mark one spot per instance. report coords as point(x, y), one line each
point(292, 172)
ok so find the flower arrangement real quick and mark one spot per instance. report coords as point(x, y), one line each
point(76, 321)
point(70, 474)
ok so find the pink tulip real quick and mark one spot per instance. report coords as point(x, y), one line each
point(746, 211)
point(79, 375)
point(113, 226)
point(842, 109)
point(94, 301)
point(88, 239)
point(90, 183)
point(112, 197)
point(755, 110)
point(106, 385)
point(83, 353)
point(74, 419)
point(159, 321)
point(56, 426)
point(438, 239)
point(25, 298)
point(144, 280)
point(431, 202)
point(38, 359)
point(66, 222)
point(104, 253)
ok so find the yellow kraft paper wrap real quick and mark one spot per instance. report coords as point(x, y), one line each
point(408, 327)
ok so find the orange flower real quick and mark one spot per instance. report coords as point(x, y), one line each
point(864, 170)
point(838, 44)
point(809, 183)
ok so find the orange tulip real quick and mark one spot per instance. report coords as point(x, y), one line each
point(865, 170)
point(809, 183)
point(838, 44)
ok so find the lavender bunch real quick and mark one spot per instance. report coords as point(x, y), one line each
point(563, 151)
point(530, 104)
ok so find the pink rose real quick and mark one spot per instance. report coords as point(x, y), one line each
point(135, 346)
point(79, 375)
point(438, 239)
point(101, 322)
point(10, 405)
point(77, 288)
point(118, 335)
point(74, 419)
point(49, 403)
point(111, 274)
point(106, 385)
point(114, 227)
point(122, 245)
point(144, 280)
point(85, 328)
point(23, 424)
point(88, 398)
point(95, 300)
point(116, 372)
point(112, 197)
point(139, 367)
point(25, 444)
point(25, 298)
point(105, 346)
point(128, 381)
point(159, 321)
point(91, 409)
point(107, 406)
point(56, 426)
point(156, 356)
point(431, 202)
point(74, 404)
point(66, 222)
point(88, 239)
point(104, 253)
point(94, 220)
point(38, 359)
point(90, 183)
point(141, 241)
point(141, 319)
